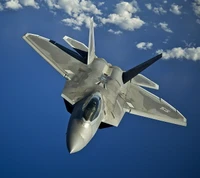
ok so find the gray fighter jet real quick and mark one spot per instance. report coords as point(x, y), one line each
point(98, 94)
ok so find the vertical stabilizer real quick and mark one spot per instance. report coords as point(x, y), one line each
point(128, 75)
point(91, 45)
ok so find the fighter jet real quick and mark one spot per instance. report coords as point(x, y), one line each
point(98, 94)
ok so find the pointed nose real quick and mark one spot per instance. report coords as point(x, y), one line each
point(75, 143)
point(78, 135)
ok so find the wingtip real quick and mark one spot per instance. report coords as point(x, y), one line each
point(65, 37)
point(185, 121)
point(28, 34)
point(25, 35)
point(157, 86)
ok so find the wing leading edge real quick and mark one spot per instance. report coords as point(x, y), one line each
point(65, 61)
point(140, 102)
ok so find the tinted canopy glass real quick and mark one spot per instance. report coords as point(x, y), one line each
point(91, 111)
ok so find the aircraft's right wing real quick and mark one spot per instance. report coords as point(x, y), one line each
point(140, 102)
point(65, 61)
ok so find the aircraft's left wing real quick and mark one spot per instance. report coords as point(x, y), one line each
point(65, 61)
point(140, 102)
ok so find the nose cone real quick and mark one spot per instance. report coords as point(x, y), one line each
point(75, 143)
point(78, 135)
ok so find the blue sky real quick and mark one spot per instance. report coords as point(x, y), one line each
point(33, 119)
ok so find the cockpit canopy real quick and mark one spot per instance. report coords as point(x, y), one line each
point(92, 108)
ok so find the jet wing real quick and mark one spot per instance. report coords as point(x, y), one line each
point(140, 102)
point(65, 61)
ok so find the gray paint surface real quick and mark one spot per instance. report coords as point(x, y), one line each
point(101, 79)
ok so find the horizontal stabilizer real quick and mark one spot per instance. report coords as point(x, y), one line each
point(81, 48)
point(128, 75)
point(143, 81)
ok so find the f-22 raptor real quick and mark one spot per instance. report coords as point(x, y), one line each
point(98, 94)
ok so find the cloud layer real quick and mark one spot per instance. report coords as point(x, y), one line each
point(125, 15)
point(81, 10)
point(181, 53)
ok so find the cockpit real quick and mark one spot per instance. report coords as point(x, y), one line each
point(92, 108)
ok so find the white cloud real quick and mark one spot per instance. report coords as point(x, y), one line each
point(176, 9)
point(79, 11)
point(29, 3)
point(165, 27)
point(198, 21)
point(148, 6)
point(78, 21)
point(126, 8)
point(1, 7)
point(75, 7)
point(181, 53)
point(52, 4)
point(144, 45)
point(122, 16)
point(115, 32)
point(165, 2)
point(17, 4)
point(101, 3)
point(13, 4)
point(159, 10)
point(196, 7)
point(77, 28)
point(88, 6)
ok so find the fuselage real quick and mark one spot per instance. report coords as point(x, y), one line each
point(84, 122)
point(98, 103)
